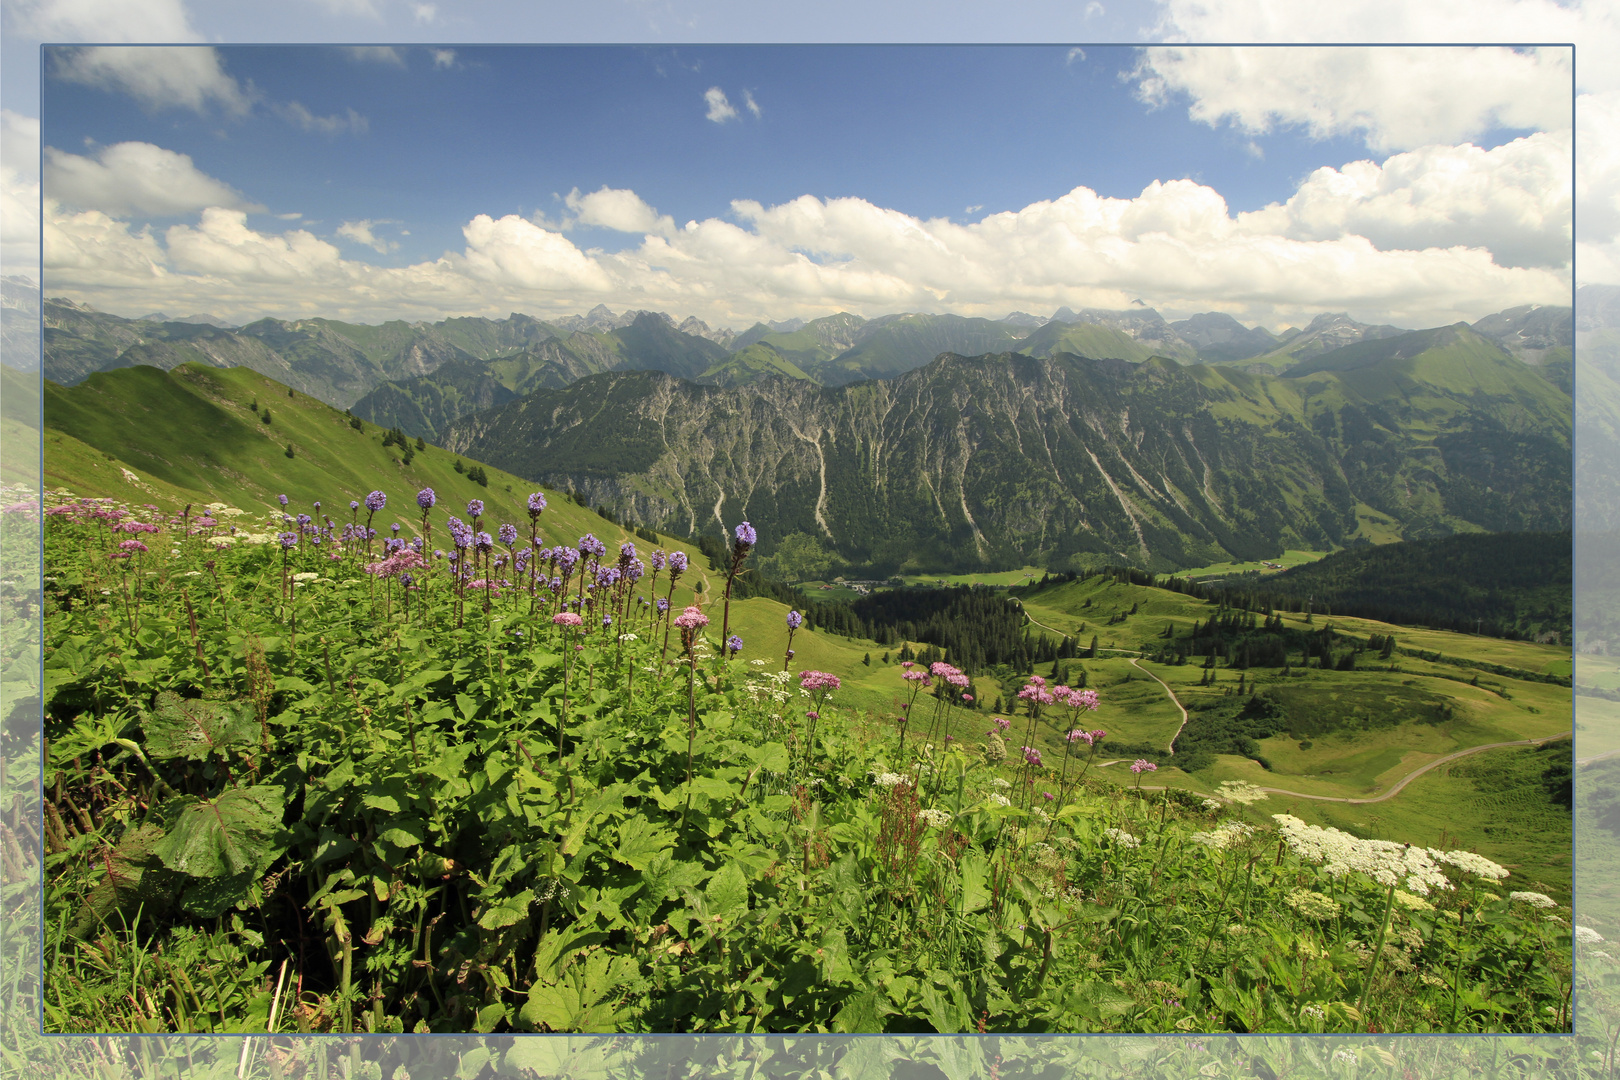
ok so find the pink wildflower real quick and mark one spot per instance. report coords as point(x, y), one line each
point(691, 618)
point(818, 680)
point(567, 618)
point(1142, 766)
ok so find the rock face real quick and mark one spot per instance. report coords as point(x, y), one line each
point(989, 460)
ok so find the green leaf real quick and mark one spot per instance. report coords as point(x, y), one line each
point(727, 892)
point(975, 881)
point(224, 836)
point(506, 912)
point(862, 1011)
point(408, 832)
point(640, 842)
point(182, 728)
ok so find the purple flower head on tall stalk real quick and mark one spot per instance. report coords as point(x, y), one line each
point(794, 620)
point(426, 498)
point(282, 499)
point(353, 505)
point(288, 539)
point(303, 520)
point(567, 618)
point(657, 559)
point(416, 545)
point(663, 605)
point(1032, 756)
point(484, 542)
point(405, 579)
point(376, 501)
point(475, 507)
point(745, 536)
point(634, 571)
point(1141, 766)
point(287, 518)
point(607, 621)
point(508, 534)
point(461, 535)
point(677, 562)
point(734, 643)
point(317, 504)
point(555, 585)
point(567, 559)
point(590, 545)
point(627, 551)
point(999, 723)
point(132, 545)
point(537, 503)
point(607, 576)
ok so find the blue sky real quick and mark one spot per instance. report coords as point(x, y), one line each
point(739, 183)
point(932, 132)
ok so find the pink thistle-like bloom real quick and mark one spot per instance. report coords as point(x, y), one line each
point(397, 563)
point(128, 548)
point(691, 618)
point(812, 715)
point(1032, 756)
point(1000, 724)
point(1077, 699)
point(942, 669)
point(918, 675)
point(1079, 736)
point(1142, 766)
point(818, 680)
point(1035, 691)
point(567, 618)
point(908, 663)
point(967, 697)
point(1098, 736)
point(958, 680)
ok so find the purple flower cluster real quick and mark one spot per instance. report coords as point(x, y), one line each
point(426, 498)
point(376, 501)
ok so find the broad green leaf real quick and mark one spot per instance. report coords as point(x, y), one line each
point(406, 832)
point(1108, 999)
point(509, 910)
point(727, 892)
point(488, 1017)
point(975, 881)
point(772, 756)
point(182, 728)
point(640, 841)
point(862, 1011)
point(224, 836)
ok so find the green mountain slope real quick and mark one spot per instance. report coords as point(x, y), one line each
point(750, 363)
point(1004, 459)
point(898, 343)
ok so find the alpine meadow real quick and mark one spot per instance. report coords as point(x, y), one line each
point(497, 611)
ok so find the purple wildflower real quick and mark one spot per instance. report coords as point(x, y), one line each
point(282, 499)
point(745, 535)
point(426, 498)
point(475, 507)
point(794, 620)
point(376, 501)
point(677, 562)
point(537, 503)
point(508, 534)
point(734, 643)
point(590, 545)
point(288, 539)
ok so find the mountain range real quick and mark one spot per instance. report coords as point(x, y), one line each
point(1004, 458)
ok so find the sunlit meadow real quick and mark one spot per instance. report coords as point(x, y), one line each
point(395, 766)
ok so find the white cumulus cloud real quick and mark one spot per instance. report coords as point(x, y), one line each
point(376, 54)
point(361, 233)
point(752, 105)
point(157, 76)
point(1176, 245)
point(720, 109)
point(136, 177)
point(618, 209)
point(19, 193)
point(1514, 200)
point(1395, 99)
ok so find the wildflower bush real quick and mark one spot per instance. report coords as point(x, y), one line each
point(362, 774)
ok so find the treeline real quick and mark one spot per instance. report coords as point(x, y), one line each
point(1508, 585)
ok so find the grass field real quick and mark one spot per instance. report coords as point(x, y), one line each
point(1287, 560)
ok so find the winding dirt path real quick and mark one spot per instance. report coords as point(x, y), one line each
point(1137, 664)
point(1394, 791)
point(1390, 794)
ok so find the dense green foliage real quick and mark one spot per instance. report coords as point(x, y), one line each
point(448, 810)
